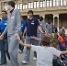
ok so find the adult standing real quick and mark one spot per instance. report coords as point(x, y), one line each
point(13, 28)
point(43, 27)
point(4, 44)
point(32, 25)
point(49, 27)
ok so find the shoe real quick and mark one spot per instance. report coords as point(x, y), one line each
point(20, 51)
point(34, 58)
point(24, 62)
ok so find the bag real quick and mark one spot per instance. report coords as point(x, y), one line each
point(62, 62)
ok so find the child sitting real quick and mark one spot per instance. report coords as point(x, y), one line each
point(44, 53)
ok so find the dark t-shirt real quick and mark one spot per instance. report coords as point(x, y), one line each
point(32, 26)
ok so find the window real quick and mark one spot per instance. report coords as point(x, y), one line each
point(57, 2)
point(20, 6)
point(51, 3)
point(61, 2)
point(54, 4)
point(41, 4)
point(64, 2)
point(16, 6)
point(31, 5)
point(35, 5)
point(44, 4)
point(23, 6)
point(26, 6)
point(5, 6)
point(47, 3)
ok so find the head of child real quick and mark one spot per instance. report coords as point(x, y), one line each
point(62, 34)
point(45, 40)
point(54, 40)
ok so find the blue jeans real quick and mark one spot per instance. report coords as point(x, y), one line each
point(20, 46)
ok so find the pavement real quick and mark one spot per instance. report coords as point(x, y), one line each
point(21, 57)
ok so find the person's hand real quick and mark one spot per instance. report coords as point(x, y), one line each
point(43, 34)
point(32, 37)
point(1, 37)
point(62, 56)
point(18, 38)
point(20, 42)
point(23, 36)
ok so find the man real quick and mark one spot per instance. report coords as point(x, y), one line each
point(23, 25)
point(13, 28)
point(4, 45)
point(43, 27)
point(32, 25)
point(49, 27)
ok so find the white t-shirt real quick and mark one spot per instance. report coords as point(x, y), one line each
point(45, 55)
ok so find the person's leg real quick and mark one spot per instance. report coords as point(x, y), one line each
point(3, 56)
point(6, 48)
point(39, 36)
point(27, 54)
point(13, 51)
point(34, 42)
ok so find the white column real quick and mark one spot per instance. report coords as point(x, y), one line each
point(53, 21)
point(43, 17)
point(58, 23)
point(45, 4)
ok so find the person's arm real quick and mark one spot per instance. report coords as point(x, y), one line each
point(25, 31)
point(57, 52)
point(33, 47)
point(64, 52)
point(44, 27)
point(39, 28)
point(20, 42)
point(4, 32)
point(18, 20)
point(27, 45)
point(37, 39)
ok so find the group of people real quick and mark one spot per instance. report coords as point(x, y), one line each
point(13, 29)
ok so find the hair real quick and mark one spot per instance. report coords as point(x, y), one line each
point(12, 3)
point(41, 18)
point(62, 34)
point(45, 40)
point(4, 11)
point(22, 17)
point(54, 40)
point(30, 11)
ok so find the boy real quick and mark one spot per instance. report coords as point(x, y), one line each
point(45, 53)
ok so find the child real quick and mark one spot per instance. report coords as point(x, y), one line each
point(44, 53)
point(54, 43)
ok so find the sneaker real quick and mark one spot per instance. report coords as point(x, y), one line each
point(34, 58)
point(24, 62)
point(20, 51)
